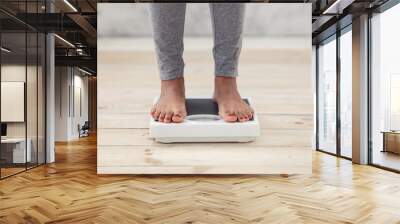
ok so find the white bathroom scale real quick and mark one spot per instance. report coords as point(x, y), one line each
point(203, 124)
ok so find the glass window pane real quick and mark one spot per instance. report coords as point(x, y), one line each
point(41, 98)
point(22, 89)
point(346, 94)
point(386, 89)
point(327, 97)
point(32, 94)
point(31, 87)
point(13, 87)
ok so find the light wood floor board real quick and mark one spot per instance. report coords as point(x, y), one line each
point(277, 80)
point(268, 121)
point(201, 159)
point(268, 138)
point(70, 191)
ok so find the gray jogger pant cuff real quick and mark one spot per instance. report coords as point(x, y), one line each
point(168, 20)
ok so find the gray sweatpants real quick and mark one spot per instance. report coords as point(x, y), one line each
point(168, 21)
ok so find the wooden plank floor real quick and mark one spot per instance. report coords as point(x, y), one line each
point(278, 79)
point(70, 191)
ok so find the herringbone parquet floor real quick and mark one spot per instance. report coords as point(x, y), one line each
point(70, 191)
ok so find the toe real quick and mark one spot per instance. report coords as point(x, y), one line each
point(162, 116)
point(168, 117)
point(230, 117)
point(247, 115)
point(156, 114)
point(242, 118)
point(152, 111)
point(177, 118)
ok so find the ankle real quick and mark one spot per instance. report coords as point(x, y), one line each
point(225, 85)
point(225, 79)
point(173, 84)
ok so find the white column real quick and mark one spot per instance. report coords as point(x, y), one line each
point(50, 99)
point(360, 90)
point(50, 92)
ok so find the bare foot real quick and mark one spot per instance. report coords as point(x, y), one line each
point(231, 106)
point(171, 104)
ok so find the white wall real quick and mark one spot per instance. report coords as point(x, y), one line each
point(12, 101)
point(262, 19)
point(79, 117)
point(67, 115)
point(12, 73)
point(62, 78)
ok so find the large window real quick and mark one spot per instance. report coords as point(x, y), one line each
point(22, 77)
point(327, 96)
point(335, 74)
point(346, 93)
point(385, 89)
point(334, 95)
